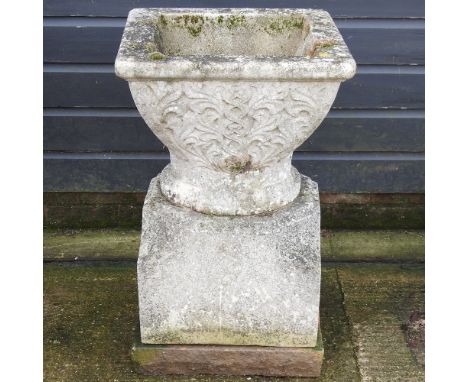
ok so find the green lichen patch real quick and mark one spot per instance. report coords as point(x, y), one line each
point(238, 165)
point(221, 336)
point(163, 20)
point(134, 45)
point(150, 47)
point(192, 23)
point(282, 25)
point(153, 53)
point(235, 21)
point(156, 56)
point(320, 47)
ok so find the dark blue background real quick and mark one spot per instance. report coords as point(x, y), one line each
point(372, 141)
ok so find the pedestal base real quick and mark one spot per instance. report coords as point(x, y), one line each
point(230, 280)
point(228, 360)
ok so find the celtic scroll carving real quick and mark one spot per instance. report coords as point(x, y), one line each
point(233, 126)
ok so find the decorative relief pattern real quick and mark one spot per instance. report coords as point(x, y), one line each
point(233, 126)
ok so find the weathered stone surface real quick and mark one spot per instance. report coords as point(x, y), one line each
point(231, 143)
point(230, 249)
point(228, 360)
point(233, 44)
point(244, 280)
point(232, 93)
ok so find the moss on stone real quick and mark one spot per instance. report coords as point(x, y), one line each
point(220, 336)
point(192, 23)
point(319, 48)
point(153, 54)
point(150, 47)
point(240, 167)
point(156, 56)
point(163, 20)
point(327, 44)
point(285, 24)
point(134, 46)
point(237, 165)
point(235, 21)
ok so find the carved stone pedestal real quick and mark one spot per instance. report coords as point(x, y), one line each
point(230, 247)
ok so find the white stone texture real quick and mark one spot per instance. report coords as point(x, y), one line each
point(231, 142)
point(243, 280)
point(230, 249)
point(232, 93)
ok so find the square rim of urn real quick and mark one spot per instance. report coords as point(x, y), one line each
point(232, 44)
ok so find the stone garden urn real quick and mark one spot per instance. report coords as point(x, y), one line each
point(230, 249)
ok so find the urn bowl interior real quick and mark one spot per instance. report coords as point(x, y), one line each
point(232, 44)
point(230, 34)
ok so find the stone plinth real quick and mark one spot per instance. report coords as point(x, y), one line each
point(244, 280)
point(228, 360)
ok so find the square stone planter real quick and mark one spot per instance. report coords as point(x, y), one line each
point(230, 249)
point(232, 93)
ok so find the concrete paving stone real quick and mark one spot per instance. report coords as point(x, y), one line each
point(91, 317)
point(372, 319)
point(385, 308)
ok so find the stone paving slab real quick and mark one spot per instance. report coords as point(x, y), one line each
point(385, 308)
point(337, 245)
point(370, 329)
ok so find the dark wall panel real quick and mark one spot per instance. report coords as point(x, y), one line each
point(376, 87)
point(333, 172)
point(114, 130)
point(337, 8)
point(383, 42)
point(372, 141)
